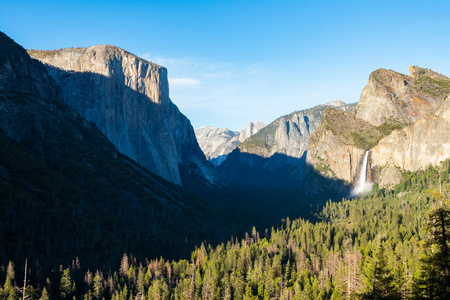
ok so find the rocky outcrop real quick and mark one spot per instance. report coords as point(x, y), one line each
point(252, 128)
point(128, 99)
point(337, 148)
point(279, 148)
point(288, 135)
point(217, 143)
point(393, 96)
point(397, 119)
point(424, 143)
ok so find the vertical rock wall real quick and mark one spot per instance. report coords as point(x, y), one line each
point(128, 99)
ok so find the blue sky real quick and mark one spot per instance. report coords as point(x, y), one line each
point(230, 62)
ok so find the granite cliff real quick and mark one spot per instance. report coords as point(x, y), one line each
point(425, 142)
point(128, 99)
point(393, 96)
point(276, 154)
point(217, 143)
point(65, 190)
point(335, 149)
point(400, 119)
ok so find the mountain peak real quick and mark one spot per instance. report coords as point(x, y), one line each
point(390, 95)
point(252, 128)
point(336, 103)
point(217, 143)
point(109, 50)
point(388, 77)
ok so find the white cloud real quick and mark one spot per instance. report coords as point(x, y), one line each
point(184, 82)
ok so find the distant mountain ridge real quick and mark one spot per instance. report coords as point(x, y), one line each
point(128, 99)
point(217, 143)
point(278, 150)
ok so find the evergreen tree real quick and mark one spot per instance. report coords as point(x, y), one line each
point(401, 281)
point(10, 271)
point(8, 289)
point(66, 285)
point(124, 266)
point(98, 285)
point(141, 282)
point(88, 296)
point(379, 279)
point(44, 295)
point(433, 279)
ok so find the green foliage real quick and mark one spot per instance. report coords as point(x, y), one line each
point(98, 285)
point(44, 294)
point(388, 126)
point(354, 244)
point(354, 131)
point(433, 280)
point(98, 202)
point(322, 166)
point(435, 87)
point(66, 285)
point(379, 277)
point(367, 139)
point(8, 290)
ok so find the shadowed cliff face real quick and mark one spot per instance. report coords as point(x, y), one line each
point(292, 180)
point(128, 99)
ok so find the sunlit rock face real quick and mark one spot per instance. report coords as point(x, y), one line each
point(425, 142)
point(128, 99)
point(333, 151)
point(417, 105)
point(417, 100)
point(217, 143)
point(393, 96)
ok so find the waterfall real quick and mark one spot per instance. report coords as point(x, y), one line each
point(363, 186)
point(363, 173)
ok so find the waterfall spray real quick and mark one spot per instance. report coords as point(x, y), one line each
point(363, 186)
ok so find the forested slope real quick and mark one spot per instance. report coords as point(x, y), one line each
point(371, 246)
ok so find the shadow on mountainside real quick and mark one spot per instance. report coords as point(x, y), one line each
point(155, 134)
point(242, 169)
point(258, 191)
point(254, 196)
point(66, 192)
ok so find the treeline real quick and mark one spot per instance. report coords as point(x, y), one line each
point(387, 245)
